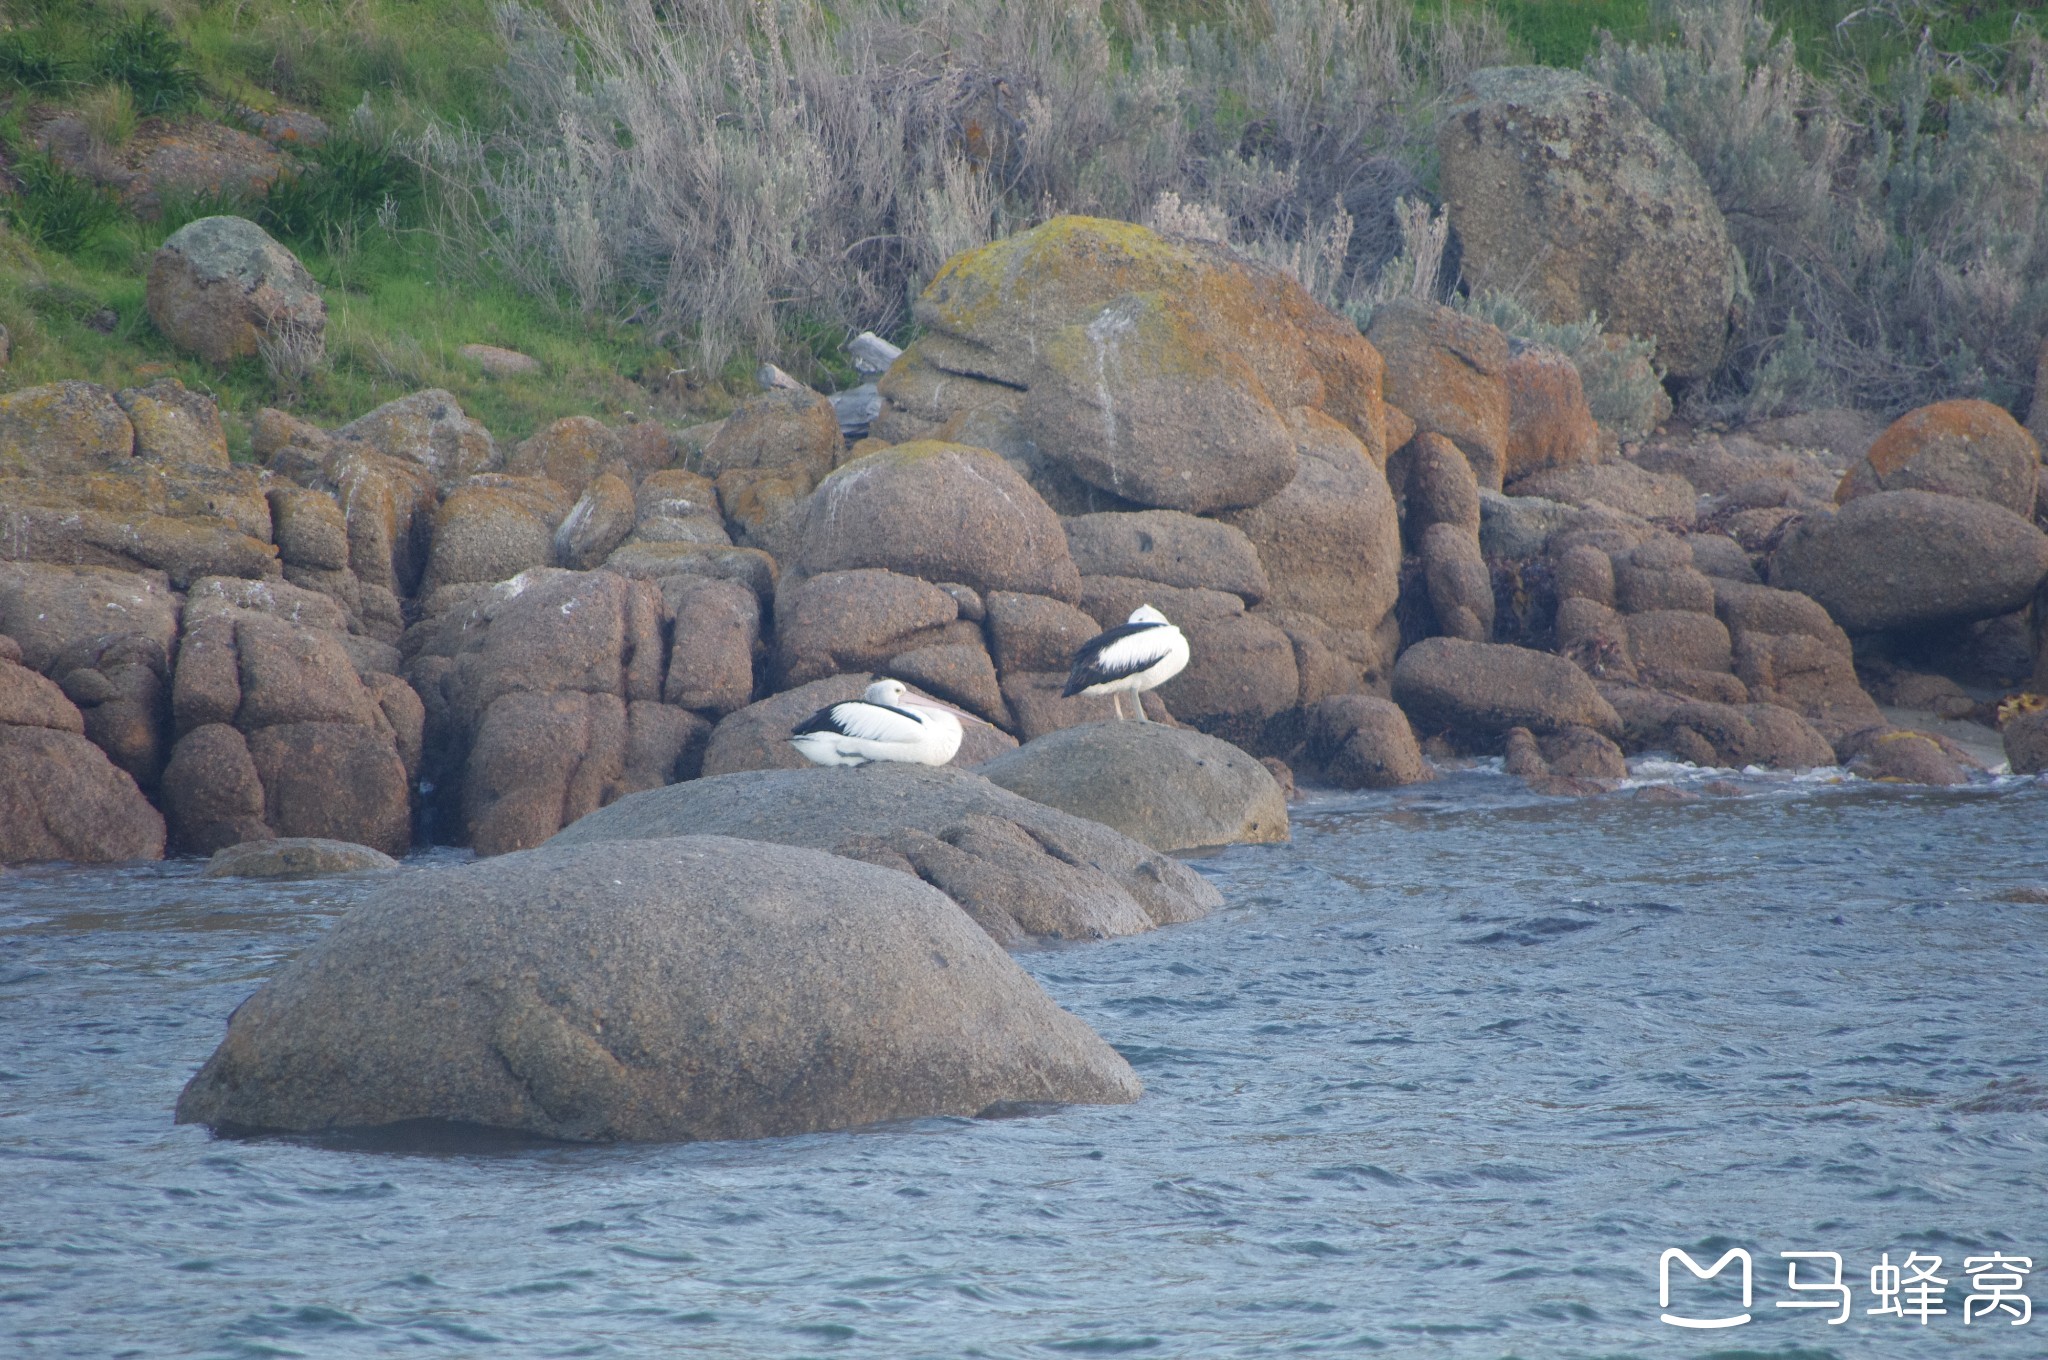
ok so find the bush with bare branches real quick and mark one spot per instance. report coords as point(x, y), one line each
point(739, 174)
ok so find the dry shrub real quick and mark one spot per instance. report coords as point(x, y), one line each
point(1897, 250)
point(741, 175)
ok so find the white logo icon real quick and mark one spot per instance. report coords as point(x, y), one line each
point(1703, 1273)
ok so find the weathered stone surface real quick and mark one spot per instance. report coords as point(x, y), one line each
point(596, 525)
point(958, 672)
point(1166, 367)
point(1477, 691)
point(1170, 547)
point(757, 737)
point(750, 567)
point(1717, 734)
point(1549, 423)
point(310, 528)
point(676, 506)
point(339, 781)
point(296, 857)
point(1908, 758)
point(1363, 742)
point(1519, 527)
point(1619, 486)
point(792, 431)
point(1565, 192)
point(489, 533)
point(1667, 640)
point(221, 287)
point(427, 428)
point(1147, 403)
point(1035, 632)
point(540, 761)
point(1021, 869)
point(1241, 677)
point(499, 362)
point(1901, 559)
point(1169, 787)
point(943, 512)
point(1330, 541)
point(678, 989)
point(62, 799)
point(212, 795)
point(1435, 485)
point(175, 426)
point(1039, 705)
point(855, 620)
point(1459, 582)
point(1958, 448)
point(1448, 371)
point(717, 633)
point(29, 700)
point(2026, 741)
point(63, 427)
point(571, 452)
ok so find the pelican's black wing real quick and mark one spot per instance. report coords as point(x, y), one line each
point(1123, 650)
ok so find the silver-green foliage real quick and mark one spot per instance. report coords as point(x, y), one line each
point(1897, 251)
point(742, 174)
point(1623, 388)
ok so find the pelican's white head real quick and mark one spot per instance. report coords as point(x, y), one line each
point(889, 692)
point(1145, 613)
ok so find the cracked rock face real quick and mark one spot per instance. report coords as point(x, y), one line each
point(1023, 871)
point(654, 990)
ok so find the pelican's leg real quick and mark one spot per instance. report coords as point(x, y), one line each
point(1116, 700)
point(1138, 702)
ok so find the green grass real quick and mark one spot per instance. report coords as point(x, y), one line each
point(357, 213)
point(395, 324)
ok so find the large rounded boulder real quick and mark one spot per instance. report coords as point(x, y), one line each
point(1172, 788)
point(943, 512)
point(1904, 559)
point(677, 989)
point(1627, 226)
point(1959, 448)
point(221, 287)
point(1478, 691)
point(1159, 371)
point(1021, 869)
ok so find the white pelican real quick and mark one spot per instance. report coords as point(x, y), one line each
point(1143, 653)
point(886, 723)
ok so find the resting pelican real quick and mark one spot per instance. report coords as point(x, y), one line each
point(1130, 658)
point(886, 723)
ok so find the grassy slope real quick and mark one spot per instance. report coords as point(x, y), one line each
point(399, 307)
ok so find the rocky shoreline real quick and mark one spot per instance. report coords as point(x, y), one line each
point(582, 656)
point(399, 629)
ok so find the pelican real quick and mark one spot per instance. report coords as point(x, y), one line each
point(886, 723)
point(1140, 654)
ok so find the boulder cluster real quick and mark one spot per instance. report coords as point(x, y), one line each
point(1380, 545)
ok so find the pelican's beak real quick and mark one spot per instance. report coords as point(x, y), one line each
point(926, 701)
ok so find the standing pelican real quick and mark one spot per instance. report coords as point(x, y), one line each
point(886, 723)
point(1143, 653)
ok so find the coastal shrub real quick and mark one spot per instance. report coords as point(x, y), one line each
point(28, 59)
point(55, 208)
point(1622, 385)
point(1896, 247)
point(356, 177)
point(140, 52)
point(715, 169)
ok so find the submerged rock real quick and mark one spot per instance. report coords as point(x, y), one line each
point(681, 989)
point(1172, 788)
point(290, 857)
point(1020, 869)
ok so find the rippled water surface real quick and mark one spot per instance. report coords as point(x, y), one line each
point(1444, 1079)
